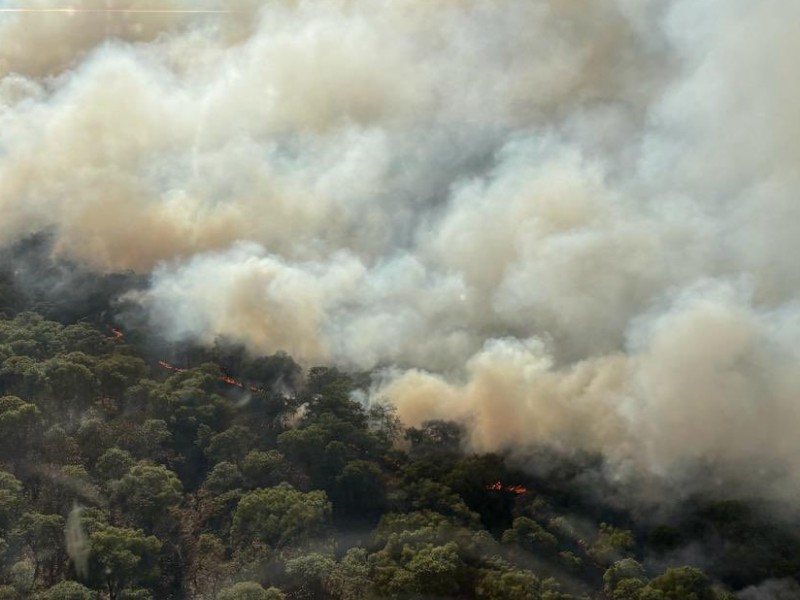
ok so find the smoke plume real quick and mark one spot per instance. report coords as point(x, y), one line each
point(562, 222)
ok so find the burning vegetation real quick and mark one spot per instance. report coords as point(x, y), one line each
point(498, 486)
point(226, 379)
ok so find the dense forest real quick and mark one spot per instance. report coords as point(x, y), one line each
point(133, 469)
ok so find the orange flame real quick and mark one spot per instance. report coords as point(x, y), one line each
point(231, 381)
point(169, 367)
point(498, 486)
point(227, 379)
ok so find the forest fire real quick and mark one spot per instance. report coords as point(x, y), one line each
point(169, 367)
point(226, 379)
point(498, 486)
point(231, 381)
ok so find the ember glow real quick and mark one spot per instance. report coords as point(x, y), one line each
point(498, 486)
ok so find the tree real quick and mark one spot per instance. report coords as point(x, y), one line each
point(230, 445)
point(146, 493)
point(82, 337)
point(94, 437)
point(436, 570)
point(265, 469)
point(350, 579)
point(683, 583)
point(279, 516)
point(152, 440)
point(610, 545)
point(20, 426)
point(208, 566)
point(58, 447)
point(41, 536)
point(123, 558)
point(329, 392)
point(435, 438)
point(23, 577)
point(409, 523)
point(30, 333)
point(249, 590)
point(624, 579)
point(360, 492)
point(383, 421)
point(426, 494)
point(10, 499)
point(305, 447)
point(136, 594)
point(73, 383)
point(223, 477)
point(68, 590)
point(118, 372)
point(24, 376)
point(114, 463)
point(530, 536)
point(58, 487)
point(187, 403)
point(279, 368)
point(310, 574)
point(516, 585)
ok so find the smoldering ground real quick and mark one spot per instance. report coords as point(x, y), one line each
point(564, 223)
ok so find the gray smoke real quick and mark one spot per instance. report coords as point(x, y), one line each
point(562, 222)
point(773, 589)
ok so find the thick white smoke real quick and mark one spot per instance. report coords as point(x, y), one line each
point(563, 222)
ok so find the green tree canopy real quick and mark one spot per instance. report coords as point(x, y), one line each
point(20, 427)
point(280, 516)
point(68, 590)
point(223, 477)
point(683, 583)
point(40, 537)
point(114, 463)
point(10, 499)
point(265, 469)
point(249, 590)
point(517, 585)
point(123, 558)
point(146, 493)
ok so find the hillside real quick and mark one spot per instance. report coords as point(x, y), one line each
point(126, 475)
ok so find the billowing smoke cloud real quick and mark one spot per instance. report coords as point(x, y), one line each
point(561, 222)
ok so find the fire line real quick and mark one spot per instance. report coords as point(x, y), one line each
point(498, 486)
point(227, 379)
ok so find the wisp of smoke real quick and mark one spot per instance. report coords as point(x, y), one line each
point(77, 542)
